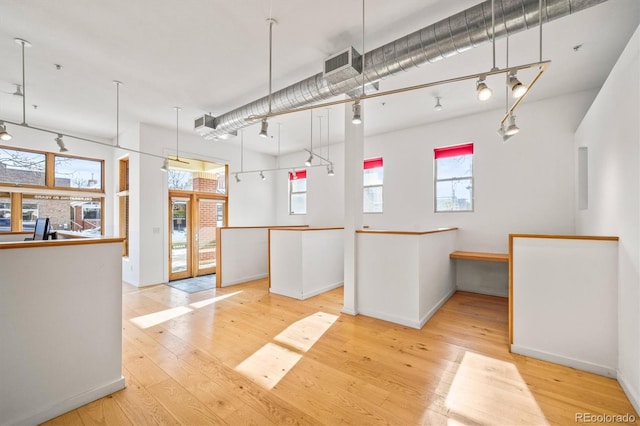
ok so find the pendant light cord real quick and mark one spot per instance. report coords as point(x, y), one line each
point(118, 83)
point(311, 151)
point(540, 24)
point(270, 59)
point(493, 33)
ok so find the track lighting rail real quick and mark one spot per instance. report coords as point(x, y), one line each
point(542, 65)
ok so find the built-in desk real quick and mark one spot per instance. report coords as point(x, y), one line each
point(60, 326)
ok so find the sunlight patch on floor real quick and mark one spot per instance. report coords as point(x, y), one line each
point(206, 302)
point(153, 319)
point(269, 364)
point(150, 320)
point(488, 391)
point(303, 334)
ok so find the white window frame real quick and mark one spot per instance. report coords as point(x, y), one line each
point(463, 148)
point(299, 174)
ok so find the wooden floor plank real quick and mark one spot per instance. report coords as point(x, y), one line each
point(186, 368)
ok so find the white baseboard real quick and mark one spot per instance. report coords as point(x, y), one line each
point(436, 307)
point(633, 396)
point(562, 360)
point(243, 279)
point(391, 318)
point(486, 292)
point(348, 311)
point(322, 290)
point(72, 403)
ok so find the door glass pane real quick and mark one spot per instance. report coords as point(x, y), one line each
point(179, 236)
point(210, 215)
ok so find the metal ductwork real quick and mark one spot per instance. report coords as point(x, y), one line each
point(455, 34)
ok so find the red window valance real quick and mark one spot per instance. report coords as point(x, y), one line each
point(372, 163)
point(453, 151)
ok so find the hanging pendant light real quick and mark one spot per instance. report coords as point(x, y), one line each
point(357, 118)
point(512, 129)
point(517, 88)
point(60, 143)
point(483, 91)
point(438, 105)
point(165, 165)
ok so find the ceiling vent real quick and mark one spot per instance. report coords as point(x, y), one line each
point(342, 66)
point(205, 124)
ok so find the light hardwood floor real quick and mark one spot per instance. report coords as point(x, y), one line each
point(240, 355)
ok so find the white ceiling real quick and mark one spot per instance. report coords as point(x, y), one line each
point(212, 56)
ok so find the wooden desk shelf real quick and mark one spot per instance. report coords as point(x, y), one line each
point(475, 255)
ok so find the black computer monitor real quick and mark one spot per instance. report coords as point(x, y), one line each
point(41, 230)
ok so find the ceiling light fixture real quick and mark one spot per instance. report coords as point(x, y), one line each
point(60, 143)
point(262, 176)
point(177, 137)
point(265, 125)
point(165, 165)
point(517, 88)
point(512, 129)
point(117, 83)
point(330, 171)
point(483, 91)
point(310, 159)
point(263, 129)
point(438, 105)
point(23, 43)
point(357, 117)
point(237, 178)
point(4, 135)
point(18, 91)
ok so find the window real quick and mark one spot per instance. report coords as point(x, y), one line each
point(298, 192)
point(22, 168)
point(454, 178)
point(372, 180)
point(69, 213)
point(124, 205)
point(78, 173)
point(212, 182)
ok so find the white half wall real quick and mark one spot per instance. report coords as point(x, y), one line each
point(60, 328)
point(565, 301)
point(611, 133)
point(243, 255)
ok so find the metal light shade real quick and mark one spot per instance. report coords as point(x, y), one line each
point(309, 160)
point(484, 93)
point(237, 178)
point(330, 171)
point(517, 88)
point(60, 143)
point(512, 129)
point(4, 135)
point(165, 165)
point(263, 129)
point(262, 176)
point(356, 114)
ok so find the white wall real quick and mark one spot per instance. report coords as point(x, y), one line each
point(243, 255)
point(250, 201)
point(525, 185)
point(611, 132)
point(325, 194)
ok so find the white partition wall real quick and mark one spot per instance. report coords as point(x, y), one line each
point(404, 277)
point(564, 293)
point(60, 326)
point(243, 254)
point(304, 262)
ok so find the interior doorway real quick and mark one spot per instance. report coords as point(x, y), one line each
point(197, 207)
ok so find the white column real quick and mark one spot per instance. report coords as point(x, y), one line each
point(353, 157)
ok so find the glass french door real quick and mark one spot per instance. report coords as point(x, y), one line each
point(210, 217)
point(180, 238)
point(193, 245)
